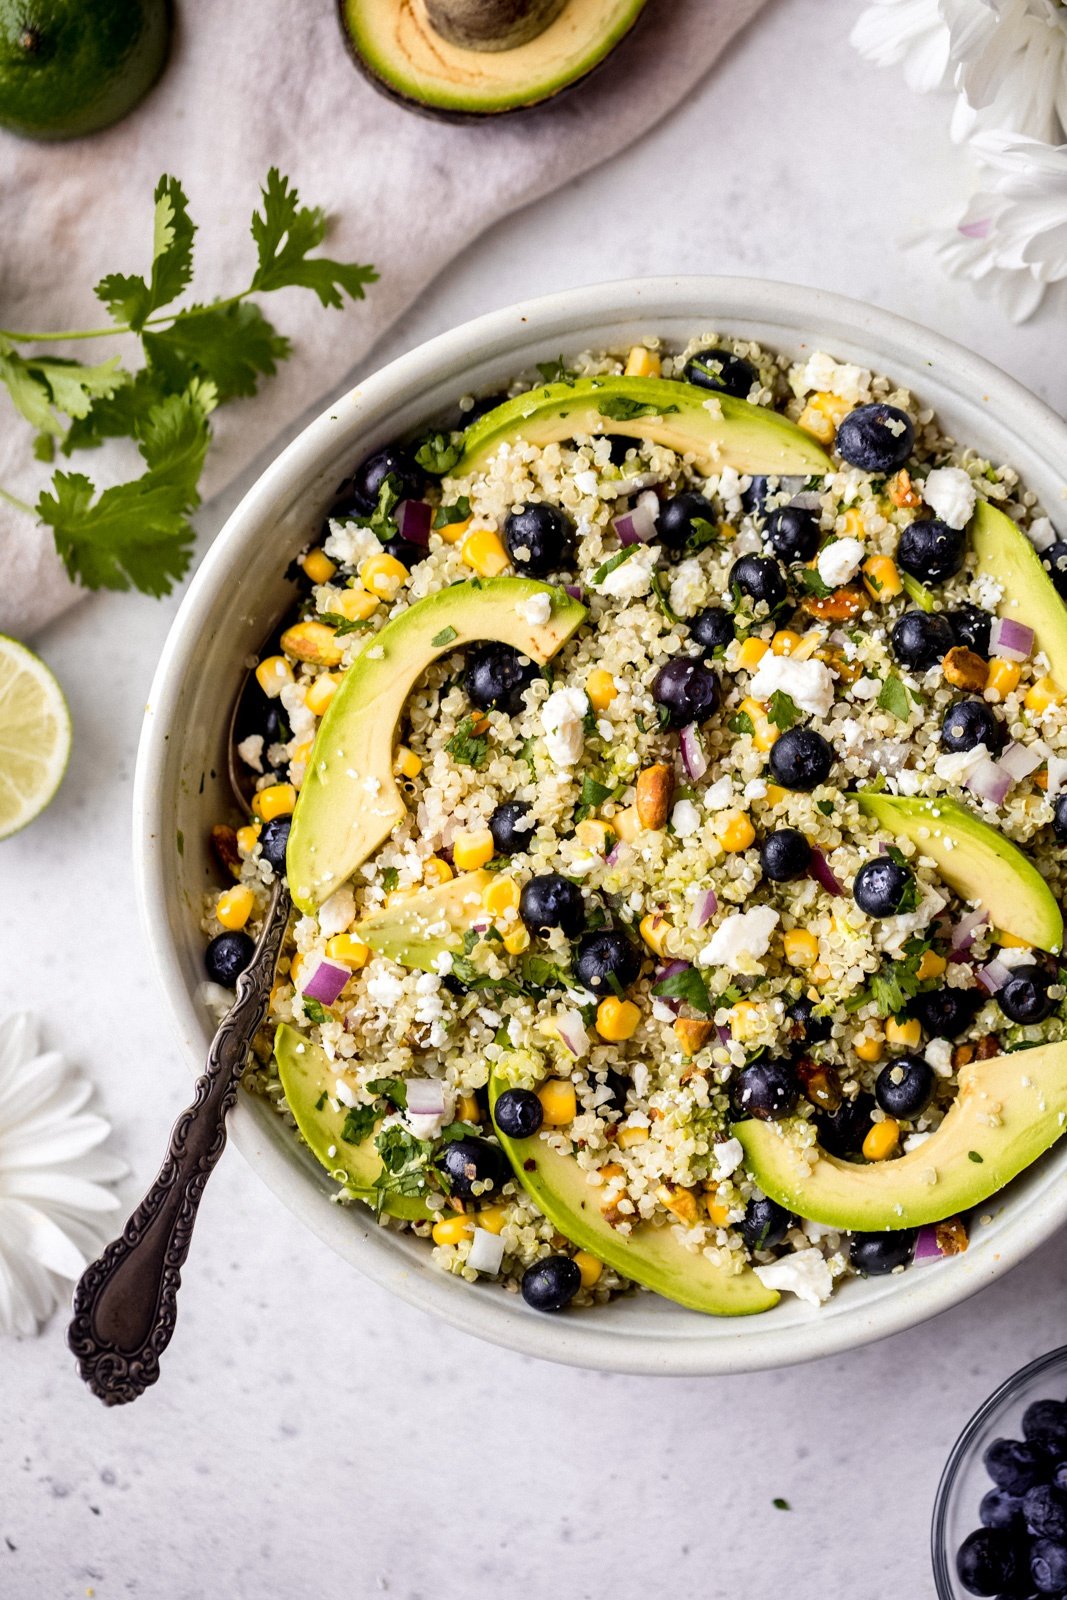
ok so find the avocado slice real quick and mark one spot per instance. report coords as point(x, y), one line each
point(651, 1256)
point(464, 61)
point(418, 927)
point(731, 434)
point(308, 1077)
point(1006, 555)
point(977, 861)
point(1009, 1111)
point(349, 803)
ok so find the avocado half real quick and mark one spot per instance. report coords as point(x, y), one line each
point(463, 61)
point(1028, 594)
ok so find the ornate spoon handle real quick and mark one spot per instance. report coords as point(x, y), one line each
point(125, 1305)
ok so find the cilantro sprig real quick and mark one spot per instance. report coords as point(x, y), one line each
point(138, 534)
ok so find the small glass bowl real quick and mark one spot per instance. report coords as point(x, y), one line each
point(965, 1480)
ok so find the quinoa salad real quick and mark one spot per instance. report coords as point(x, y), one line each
point(668, 760)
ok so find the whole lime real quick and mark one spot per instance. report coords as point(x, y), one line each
point(69, 67)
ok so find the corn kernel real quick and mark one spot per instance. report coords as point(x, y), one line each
point(1003, 676)
point(516, 940)
point(1041, 695)
point(382, 574)
point(589, 1267)
point(775, 794)
point(356, 605)
point(436, 870)
point(1011, 940)
point(234, 906)
point(1041, 778)
point(468, 1110)
point(472, 850)
point(642, 363)
point(595, 834)
point(601, 689)
point(717, 1212)
point(882, 1139)
point(277, 800)
point(272, 675)
point(321, 693)
point(300, 753)
point(820, 973)
point(484, 550)
point(453, 532)
point(868, 1048)
point(631, 1136)
point(492, 1218)
point(616, 1019)
point(318, 566)
point(406, 764)
point(558, 1102)
point(502, 895)
point(349, 950)
point(296, 971)
point(906, 1033)
point(627, 824)
point(931, 966)
point(801, 947)
point(785, 642)
point(853, 523)
point(681, 1203)
point(764, 733)
point(450, 1230)
point(751, 653)
point(881, 578)
point(654, 929)
point(246, 838)
point(734, 831)
point(313, 641)
point(822, 414)
point(744, 1019)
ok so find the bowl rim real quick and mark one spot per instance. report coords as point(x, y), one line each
point(811, 315)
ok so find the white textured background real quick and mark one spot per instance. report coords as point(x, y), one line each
point(312, 1437)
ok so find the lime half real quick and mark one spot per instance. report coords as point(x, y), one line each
point(34, 736)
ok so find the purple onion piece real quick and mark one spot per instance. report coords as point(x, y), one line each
point(723, 1032)
point(926, 1245)
point(1011, 640)
point(669, 969)
point(988, 782)
point(413, 518)
point(326, 982)
point(694, 760)
point(425, 1097)
point(993, 976)
point(575, 591)
point(964, 933)
point(1018, 762)
point(822, 872)
point(706, 907)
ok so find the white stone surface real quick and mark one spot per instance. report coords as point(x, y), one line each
point(312, 1436)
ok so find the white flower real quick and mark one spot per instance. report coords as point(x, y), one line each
point(1010, 66)
point(52, 1177)
point(908, 31)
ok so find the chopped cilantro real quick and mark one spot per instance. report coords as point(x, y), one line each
point(341, 624)
point(555, 371)
point(782, 710)
point(688, 986)
point(704, 533)
point(740, 722)
point(659, 589)
point(445, 636)
point(314, 1010)
point(972, 1155)
point(780, 1504)
point(612, 562)
point(890, 989)
point(917, 591)
point(813, 583)
point(467, 748)
point(593, 794)
point(321, 1101)
point(539, 973)
point(390, 879)
point(392, 1089)
point(359, 1123)
point(438, 453)
point(459, 512)
point(894, 698)
point(622, 409)
point(825, 806)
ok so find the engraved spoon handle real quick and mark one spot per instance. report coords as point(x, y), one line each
point(125, 1304)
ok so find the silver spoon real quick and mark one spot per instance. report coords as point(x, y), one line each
point(125, 1304)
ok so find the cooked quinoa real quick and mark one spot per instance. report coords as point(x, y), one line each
point(641, 1081)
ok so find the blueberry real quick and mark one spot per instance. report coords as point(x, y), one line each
point(1059, 817)
point(487, 402)
point(998, 1509)
point(804, 1026)
point(883, 888)
point(1045, 1423)
point(551, 1284)
point(552, 901)
point(512, 827)
point(498, 676)
point(921, 639)
point(518, 1113)
point(712, 628)
point(619, 1087)
point(619, 448)
point(843, 1131)
point(793, 533)
point(465, 1162)
point(1014, 1466)
point(722, 371)
point(765, 1224)
point(605, 955)
point(767, 1090)
point(359, 495)
point(785, 855)
point(675, 524)
point(930, 550)
point(754, 498)
point(539, 538)
point(946, 1013)
point(1059, 1476)
point(227, 956)
point(968, 723)
point(904, 1086)
point(877, 438)
point(1045, 1510)
point(1025, 997)
point(1048, 1567)
point(760, 577)
point(874, 1254)
point(405, 550)
point(971, 625)
point(687, 690)
point(990, 1561)
point(801, 759)
point(273, 838)
point(1054, 561)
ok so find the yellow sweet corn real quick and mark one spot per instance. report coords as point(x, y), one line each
point(472, 850)
point(717, 1212)
point(627, 824)
point(734, 831)
point(784, 642)
point(628, 1137)
point(450, 1230)
point(558, 1102)
point(616, 1019)
point(931, 965)
point(406, 764)
point(321, 693)
point(246, 838)
point(1003, 676)
point(907, 1033)
point(453, 532)
point(801, 947)
point(382, 575)
point(277, 800)
point(775, 794)
point(468, 1110)
point(491, 1218)
point(881, 578)
point(502, 895)
point(516, 940)
point(313, 641)
point(356, 605)
point(654, 929)
point(822, 414)
point(751, 653)
point(764, 732)
point(869, 1048)
point(744, 1019)
point(234, 906)
point(642, 363)
point(595, 834)
point(318, 566)
point(437, 870)
point(882, 1139)
point(272, 675)
point(349, 950)
point(1041, 695)
point(589, 1268)
point(483, 549)
point(601, 689)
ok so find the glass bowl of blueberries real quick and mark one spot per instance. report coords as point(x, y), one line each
point(1000, 1518)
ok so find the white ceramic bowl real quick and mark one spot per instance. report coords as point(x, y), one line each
point(239, 590)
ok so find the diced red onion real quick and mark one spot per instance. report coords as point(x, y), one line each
point(723, 1032)
point(638, 525)
point(572, 1033)
point(486, 1252)
point(669, 970)
point(575, 591)
point(426, 1097)
point(965, 930)
point(614, 853)
point(693, 758)
point(706, 907)
point(1011, 640)
point(326, 982)
point(1019, 761)
point(413, 518)
point(926, 1245)
point(822, 872)
point(988, 782)
point(993, 976)
point(807, 500)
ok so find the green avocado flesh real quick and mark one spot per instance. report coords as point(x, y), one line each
point(350, 802)
point(1029, 595)
point(978, 862)
point(1008, 1111)
point(417, 928)
point(651, 1256)
point(395, 44)
point(308, 1077)
point(731, 434)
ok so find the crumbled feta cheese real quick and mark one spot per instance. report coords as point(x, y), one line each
point(823, 373)
point(728, 1156)
point(1057, 775)
point(250, 751)
point(939, 1056)
point(894, 932)
point(1015, 956)
point(913, 1141)
point(586, 482)
point(1041, 533)
point(740, 940)
point(956, 766)
point(351, 544)
point(301, 720)
point(804, 1273)
point(536, 610)
point(633, 577)
point(384, 990)
point(687, 587)
point(756, 789)
point(720, 794)
point(988, 592)
point(337, 913)
point(839, 561)
point(867, 689)
point(951, 495)
point(685, 819)
point(807, 683)
point(561, 720)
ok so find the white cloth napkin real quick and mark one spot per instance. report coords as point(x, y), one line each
point(248, 88)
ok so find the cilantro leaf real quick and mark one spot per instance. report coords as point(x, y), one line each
point(782, 710)
point(894, 698)
point(813, 583)
point(467, 748)
point(890, 989)
point(445, 636)
point(704, 533)
point(118, 415)
point(612, 562)
point(359, 1123)
point(232, 345)
point(540, 974)
point(555, 371)
point(392, 1089)
point(343, 625)
point(593, 793)
point(132, 300)
point(621, 408)
point(741, 722)
point(285, 232)
point(314, 1009)
point(688, 986)
point(459, 512)
point(41, 387)
point(659, 589)
point(438, 454)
